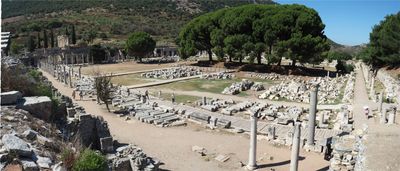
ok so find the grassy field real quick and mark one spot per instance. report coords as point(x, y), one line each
point(212, 86)
point(132, 79)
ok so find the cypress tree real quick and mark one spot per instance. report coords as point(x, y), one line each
point(73, 35)
point(30, 44)
point(38, 40)
point(45, 40)
point(52, 38)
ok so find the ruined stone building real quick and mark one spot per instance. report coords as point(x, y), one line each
point(164, 51)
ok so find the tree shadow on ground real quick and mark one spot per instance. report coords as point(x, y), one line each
point(278, 163)
point(324, 168)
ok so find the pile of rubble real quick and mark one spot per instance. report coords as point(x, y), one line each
point(135, 105)
point(214, 104)
point(244, 85)
point(298, 90)
point(349, 89)
point(348, 152)
point(27, 141)
point(130, 157)
point(269, 76)
point(166, 59)
point(172, 73)
point(9, 61)
point(217, 76)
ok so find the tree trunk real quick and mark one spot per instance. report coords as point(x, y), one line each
point(240, 59)
point(279, 61)
point(230, 58)
point(293, 63)
point(106, 102)
point(259, 58)
point(209, 55)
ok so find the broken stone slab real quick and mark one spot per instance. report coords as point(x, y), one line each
point(44, 162)
point(211, 108)
point(122, 164)
point(39, 106)
point(17, 145)
point(9, 98)
point(29, 165)
point(106, 145)
point(71, 112)
point(44, 141)
point(200, 150)
point(200, 117)
point(222, 158)
point(30, 134)
point(224, 123)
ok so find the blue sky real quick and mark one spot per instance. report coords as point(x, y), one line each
point(349, 22)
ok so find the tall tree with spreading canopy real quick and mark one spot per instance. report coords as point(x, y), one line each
point(294, 31)
point(384, 46)
point(140, 44)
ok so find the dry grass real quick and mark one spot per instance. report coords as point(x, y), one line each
point(122, 67)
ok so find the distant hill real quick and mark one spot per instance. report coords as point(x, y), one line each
point(114, 20)
point(344, 48)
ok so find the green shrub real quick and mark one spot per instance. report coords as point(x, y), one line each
point(349, 68)
point(68, 158)
point(35, 74)
point(89, 160)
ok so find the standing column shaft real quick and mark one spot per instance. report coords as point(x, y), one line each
point(64, 75)
point(80, 67)
point(311, 119)
point(294, 160)
point(380, 102)
point(253, 142)
point(70, 76)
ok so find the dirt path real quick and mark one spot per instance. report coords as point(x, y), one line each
point(173, 145)
point(383, 141)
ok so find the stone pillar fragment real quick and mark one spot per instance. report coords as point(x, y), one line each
point(252, 165)
point(380, 102)
point(392, 115)
point(383, 116)
point(295, 148)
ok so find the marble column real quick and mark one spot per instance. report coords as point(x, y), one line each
point(252, 165)
point(294, 160)
point(312, 115)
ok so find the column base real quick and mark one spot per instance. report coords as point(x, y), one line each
point(253, 167)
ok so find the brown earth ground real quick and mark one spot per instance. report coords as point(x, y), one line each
point(173, 145)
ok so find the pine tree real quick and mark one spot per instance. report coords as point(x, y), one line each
point(45, 40)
